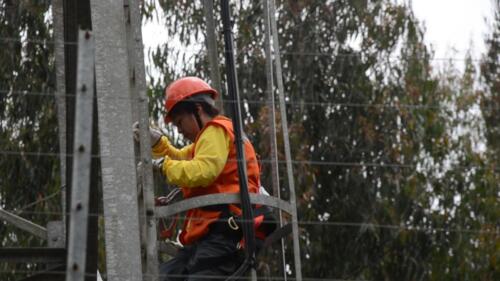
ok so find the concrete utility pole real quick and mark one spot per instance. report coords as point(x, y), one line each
point(140, 113)
point(123, 252)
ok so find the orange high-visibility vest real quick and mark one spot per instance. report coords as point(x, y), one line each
point(198, 220)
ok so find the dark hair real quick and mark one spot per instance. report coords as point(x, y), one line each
point(189, 106)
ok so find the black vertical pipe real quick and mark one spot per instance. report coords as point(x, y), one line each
point(234, 97)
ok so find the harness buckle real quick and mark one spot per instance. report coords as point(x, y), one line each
point(232, 223)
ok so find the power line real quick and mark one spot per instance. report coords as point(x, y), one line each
point(295, 162)
point(243, 52)
point(429, 230)
point(296, 102)
point(46, 198)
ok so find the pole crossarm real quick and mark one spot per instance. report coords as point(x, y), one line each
point(24, 224)
point(218, 199)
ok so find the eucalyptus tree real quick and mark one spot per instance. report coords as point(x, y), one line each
point(29, 161)
point(490, 74)
point(384, 181)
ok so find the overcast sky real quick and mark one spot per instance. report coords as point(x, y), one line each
point(452, 26)
point(457, 24)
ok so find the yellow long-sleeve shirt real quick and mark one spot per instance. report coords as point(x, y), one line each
point(212, 149)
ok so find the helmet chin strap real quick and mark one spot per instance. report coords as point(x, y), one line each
point(198, 120)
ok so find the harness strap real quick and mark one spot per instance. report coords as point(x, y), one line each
point(277, 235)
point(230, 224)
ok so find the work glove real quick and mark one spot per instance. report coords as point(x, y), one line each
point(171, 196)
point(158, 163)
point(155, 134)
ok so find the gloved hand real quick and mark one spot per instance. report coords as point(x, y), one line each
point(158, 163)
point(171, 196)
point(153, 133)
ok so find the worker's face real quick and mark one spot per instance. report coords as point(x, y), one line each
point(186, 124)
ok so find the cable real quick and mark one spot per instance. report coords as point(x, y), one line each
point(244, 51)
point(297, 102)
point(430, 230)
point(20, 210)
point(295, 162)
point(301, 103)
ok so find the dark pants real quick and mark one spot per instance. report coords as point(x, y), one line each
point(214, 257)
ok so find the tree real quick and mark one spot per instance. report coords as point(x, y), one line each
point(29, 166)
point(373, 133)
point(490, 74)
point(391, 178)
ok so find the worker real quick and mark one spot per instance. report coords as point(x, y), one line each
point(206, 166)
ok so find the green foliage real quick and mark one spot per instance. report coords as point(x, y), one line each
point(391, 180)
point(29, 163)
point(490, 98)
point(396, 167)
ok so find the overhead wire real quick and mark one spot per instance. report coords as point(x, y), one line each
point(295, 162)
point(241, 52)
point(296, 102)
point(38, 201)
point(491, 227)
point(310, 162)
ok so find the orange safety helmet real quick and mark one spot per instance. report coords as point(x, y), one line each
point(183, 89)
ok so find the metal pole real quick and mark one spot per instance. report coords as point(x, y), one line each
point(77, 240)
point(234, 96)
point(286, 141)
point(270, 93)
point(123, 253)
point(141, 113)
point(58, 14)
point(213, 58)
point(23, 224)
point(272, 123)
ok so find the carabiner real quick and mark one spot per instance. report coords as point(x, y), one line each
point(232, 223)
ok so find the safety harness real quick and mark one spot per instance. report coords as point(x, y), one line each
point(229, 223)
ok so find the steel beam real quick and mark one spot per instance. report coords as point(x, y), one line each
point(54, 272)
point(36, 255)
point(77, 235)
point(58, 14)
point(272, 124)
point(286, 142)
point(24, 224)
